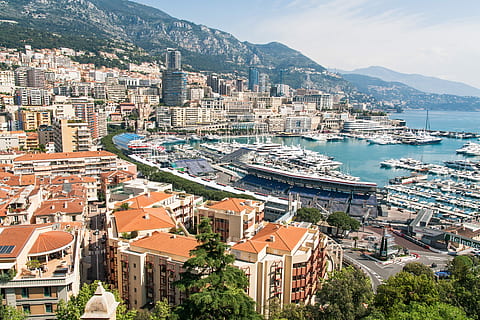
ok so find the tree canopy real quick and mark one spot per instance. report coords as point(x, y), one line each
point(215, 288)
point(343, 221)
point(312, 215)
point(345, 296)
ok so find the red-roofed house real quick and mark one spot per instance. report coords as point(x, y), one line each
point(61, 210)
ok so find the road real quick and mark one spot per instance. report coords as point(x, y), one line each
point(379, 272)
point(97, 245)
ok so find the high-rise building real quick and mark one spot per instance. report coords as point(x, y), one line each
point(71, 136)
point(173, 59)
point(253, 79)
point(174, 86)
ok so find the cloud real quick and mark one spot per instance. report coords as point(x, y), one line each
point(348, 34)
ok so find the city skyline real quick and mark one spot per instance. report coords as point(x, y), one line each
point(429, 38)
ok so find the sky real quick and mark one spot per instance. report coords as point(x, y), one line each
point(437, 38)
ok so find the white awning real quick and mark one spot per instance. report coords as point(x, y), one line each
point(6, 265)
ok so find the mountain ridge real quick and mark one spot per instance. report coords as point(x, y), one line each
point(420, 82)
point(153, 30)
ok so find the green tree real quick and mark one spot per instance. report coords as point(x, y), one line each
point(403, 289)
point(10, 313)
point(418, 311)
point(343, 221)
point(418, 269)
point(215, 288)
point(75, 307)
point(312, 215)
point(345, 296)
point(466, 285)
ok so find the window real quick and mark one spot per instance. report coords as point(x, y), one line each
point(25, 293)
point(48, 308)
point(26, 308)
point(47, 291)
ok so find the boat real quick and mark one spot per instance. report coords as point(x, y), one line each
point(212, 137)
point(383, 140)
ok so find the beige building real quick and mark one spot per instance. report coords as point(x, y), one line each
point(284, 262)
point(234, 219)
point(144, 270)
point(71, 136)
point(54, 274)
point(32, 119)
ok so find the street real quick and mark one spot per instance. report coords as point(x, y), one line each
point(97, 245)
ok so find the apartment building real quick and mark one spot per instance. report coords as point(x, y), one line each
point(284, 262)
point(234, 219)
point(144, 270)
point(71, 135)
point(87, 163)
point(33, 119)
point(53, 274)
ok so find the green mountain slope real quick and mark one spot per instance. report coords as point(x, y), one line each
point(131, 26)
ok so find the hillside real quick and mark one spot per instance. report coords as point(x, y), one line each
point(419, 82)
point(136, 27)
point(406, 96)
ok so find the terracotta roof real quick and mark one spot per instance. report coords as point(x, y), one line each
point(277, 236)
point(250, 246)
point(51, 241)
point(66, 206)
point(143, 219)
point(62, 155)
point(21, 180)
point(16, 236)
point(232, 204)
point(167, 243)
point(145, 200)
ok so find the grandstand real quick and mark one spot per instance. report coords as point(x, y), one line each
point(269, 185)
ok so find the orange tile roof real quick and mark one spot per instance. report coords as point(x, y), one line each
point(51, 207)
point(143, 219)
point(20, 180)
point(232, 204)
point(285, 238)
point(146, 200)
point(63, 155)
point(250, 246)
point(168, 243)
point(50, 241)
point(16, 236)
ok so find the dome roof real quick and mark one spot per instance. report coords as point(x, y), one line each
point(101, 306)
point(51, 241)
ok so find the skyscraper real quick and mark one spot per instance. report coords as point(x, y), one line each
point(174, 82)
point(173, 60)
point(253, 79)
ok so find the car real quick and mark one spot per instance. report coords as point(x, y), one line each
point(96, 232)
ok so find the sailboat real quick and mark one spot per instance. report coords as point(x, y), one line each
point(423, 137)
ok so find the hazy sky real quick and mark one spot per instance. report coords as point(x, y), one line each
point(438, 38)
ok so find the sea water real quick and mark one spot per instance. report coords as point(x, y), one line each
point(362, 159)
